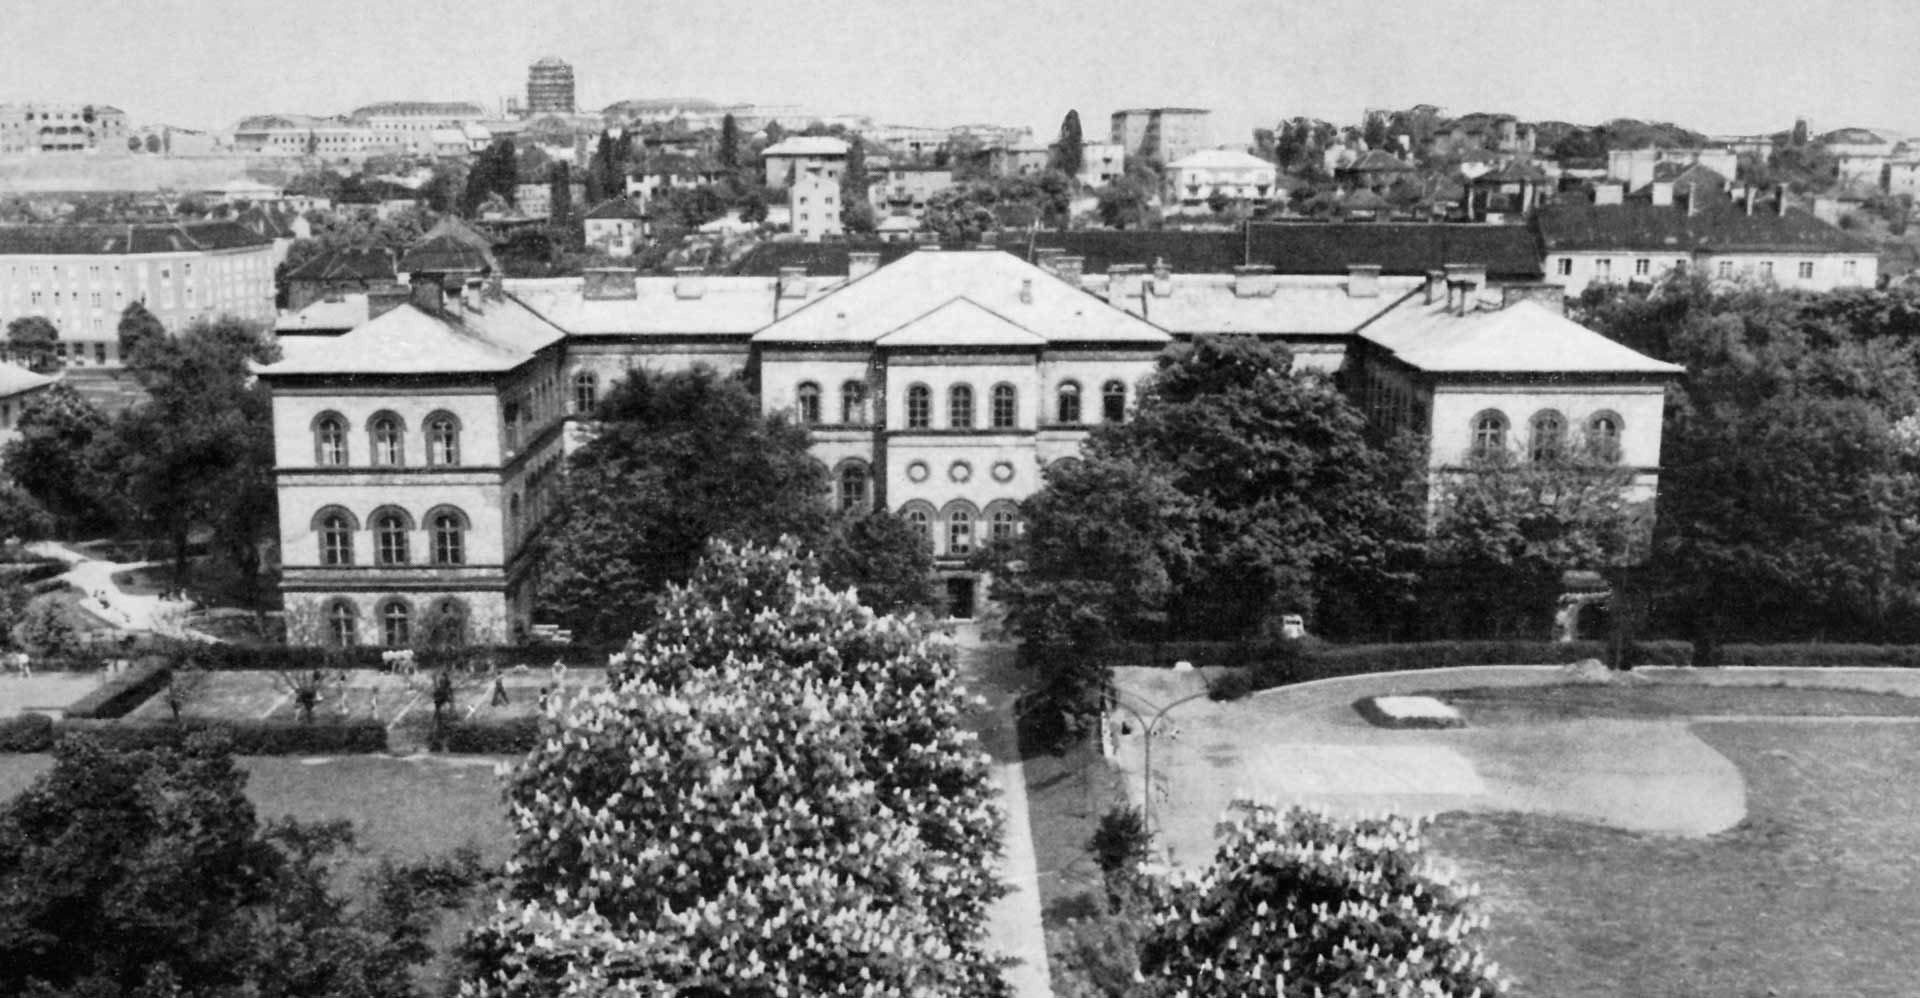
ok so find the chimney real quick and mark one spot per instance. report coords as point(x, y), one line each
point(1466, 279)
point(495, 288)
point(689, 282)
point(1609, 193)
point(1125, 280)
point(1069, 268)
point(385, 298)
point(1363, 280)
point(1026, 291)
point(609, 284)
point(1162, 277)
point(860, 263)
point(1747, 194)
point(1047, 258)
point(427, 294)
point(470, 293)
point(1780, 199)
point(1551, 297)
point(1662, 191)
point(1696, 201)
point(1436, 285)
point(1254, 281)
point(793, 282)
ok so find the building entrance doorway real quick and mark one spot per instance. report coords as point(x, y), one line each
point(960, 598)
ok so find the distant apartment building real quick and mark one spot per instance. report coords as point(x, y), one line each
point(903, 191)
point(814, 200)
point(1102, 163)
point(1162, 133)
point(801, 155)
point(82, 276)
point(1739, 238)
point(1019, 159)
point(1194, 179)
point(1903, 176)
point(37, 127)
point(550, 87)
point(333, 139)
point(409, 126)
point(1635, 167)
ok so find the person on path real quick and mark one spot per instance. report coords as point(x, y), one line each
point(499, 692)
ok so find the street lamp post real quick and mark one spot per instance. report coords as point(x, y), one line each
point(1147, 728)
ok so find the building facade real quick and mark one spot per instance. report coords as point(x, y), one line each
point(903, 190)
point(83, 276)
point(1162, 133)
point(416, 454)
point(38, 127)
point(550, 87)
point(814, 201)
point(794, 158)
point(410, 126)
point(1193, 180)
point(615, 227)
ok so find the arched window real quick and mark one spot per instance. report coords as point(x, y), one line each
point(1003, 521)
point(960, 407)
point(853, 486)
point(390, 528)
point(919, 516)
point(335, 528)
point(1006, 409)
point(1489, 435)
point(586, 392)
point(1113, 401)
point(1548, 437)
point(1603, 436)
point(959, 518)
point(396, 624)
point(389, 440)
point(443, 439)
point(1067, 409)
point(853, 403)
point(449, 529)
point(330, 440)
point(919, 407)
point(342, 624)
point(807, 404)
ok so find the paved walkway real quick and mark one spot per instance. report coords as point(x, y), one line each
point(1014, 928)
point(119, 609)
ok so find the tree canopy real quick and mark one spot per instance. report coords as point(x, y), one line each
point(31, 340)
point(1070, 150)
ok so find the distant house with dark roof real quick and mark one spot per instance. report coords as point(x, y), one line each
point(1375, 171)
point(82, 276)
point(341, 272)
point(1589, 244)
point(804, 153)
point(615, 226)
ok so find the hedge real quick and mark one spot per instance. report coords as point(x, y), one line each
point(1819, 656)
point(122, 693)
point(1277, 663)
point(234, 657)
point(513, 736)
point(27, 733)
point(248, 737)
point(29, 572)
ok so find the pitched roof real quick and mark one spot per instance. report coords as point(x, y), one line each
point(726, 306)
point(369, 264)
point(962, 322)
point(918, 287)
point(1379, 160)
point(491, 337)
point(139, 237)
point(1513, 171)
point(324, 316)
point(1718, 228)
point(1220, 159)
point(1208, 303)
point(15, 380)
point(620, 208)
point(808, 145)
point(1522, 338)
point(443, 254)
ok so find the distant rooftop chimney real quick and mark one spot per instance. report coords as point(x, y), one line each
point(1464, 281)
point(1436, 285)
point(793, 282)
point(1254, 281)
point(1162, 277)
point(1551, 297)
point(609, 284)
point(1069, 268)
point(1662, 192)
point(1125, 280)
point(1048, 257)
point(689, 282)
point(426, 293)
point(386, 298)
point(1609, 193)
point(1026, 290)
point(1363, 280)
point(860, 263)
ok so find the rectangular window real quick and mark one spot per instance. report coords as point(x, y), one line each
point(1766, 268)
point(1602, 269)
point(1642, 267)
point(1847, 268)
point(1725, 269)
point(1564, 266)
point(1806, 270)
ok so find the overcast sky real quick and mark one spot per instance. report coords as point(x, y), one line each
point(1714, 65)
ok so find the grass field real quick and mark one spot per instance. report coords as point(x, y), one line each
point(1528, 704)
point(1811, 895)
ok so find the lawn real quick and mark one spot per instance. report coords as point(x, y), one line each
point(1811, 895)
point(1527, 704)
point(392, 697)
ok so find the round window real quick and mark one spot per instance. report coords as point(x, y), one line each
point(1003, 471)
point(960, 472)
point(917, 471)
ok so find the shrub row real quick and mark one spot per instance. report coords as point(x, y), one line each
point(1819, 656)
point(248, 737)
point(230, 657)
point(513, 736)
point(115, 697)
point(28, 573)
point(1281, 662)
point(26, 733)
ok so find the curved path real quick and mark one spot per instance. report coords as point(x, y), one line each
point(119, 609)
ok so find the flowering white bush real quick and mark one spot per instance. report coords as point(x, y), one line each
point(772, 797)
point(1300, 905)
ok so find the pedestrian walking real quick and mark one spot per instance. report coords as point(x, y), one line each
point(499, 692)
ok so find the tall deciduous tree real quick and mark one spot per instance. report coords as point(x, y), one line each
point(775, 797)
point(52, 458)
point(139, 329)
point(680, 458)
point(729, 153)
point(31, 340)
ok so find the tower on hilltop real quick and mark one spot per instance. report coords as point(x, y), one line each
point(550, 87)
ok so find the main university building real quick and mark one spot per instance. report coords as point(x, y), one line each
point(418, 453)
